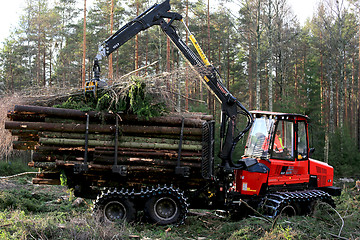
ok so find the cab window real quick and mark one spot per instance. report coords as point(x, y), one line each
point(302, 146)
point(283, 141)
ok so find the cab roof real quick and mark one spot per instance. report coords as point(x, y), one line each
point(278, 115)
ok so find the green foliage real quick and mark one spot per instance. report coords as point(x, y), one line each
point(105, 102)
point(137, 100)
point(195, 107)
point(25, 200)
point(13, 167)
point(344, 154)
point(63, 178)
point(142, 104)
point(17, 224)
point(77, 102)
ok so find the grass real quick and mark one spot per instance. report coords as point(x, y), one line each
point(63, 221)
point(46, 212)
point(14, 166)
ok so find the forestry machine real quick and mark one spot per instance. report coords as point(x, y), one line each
point(276, 170)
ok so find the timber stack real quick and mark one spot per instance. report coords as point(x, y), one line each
point(108, 149)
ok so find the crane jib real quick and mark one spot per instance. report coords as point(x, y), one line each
point(156, 15)
point(199, 50)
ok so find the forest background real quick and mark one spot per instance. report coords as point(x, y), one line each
point(264, 56)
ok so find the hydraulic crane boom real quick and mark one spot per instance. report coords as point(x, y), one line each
point(231, 107)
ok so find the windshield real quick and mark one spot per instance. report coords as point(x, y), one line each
point(258, 141)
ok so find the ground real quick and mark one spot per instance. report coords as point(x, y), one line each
point(47, 212)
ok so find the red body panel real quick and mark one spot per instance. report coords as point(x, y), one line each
point(323, 171)
point(284, 172)
point(249, 183)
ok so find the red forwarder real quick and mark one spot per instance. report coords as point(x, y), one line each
point(285, 173)
point(275, 172)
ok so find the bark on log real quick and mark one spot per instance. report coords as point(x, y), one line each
point(170, 152)
point(167, 136)
point(194, 115)
point(164, 120)
point(157, 140)
point(159, 130)
point(60, 127)
point(25, 117)
point(24, 145)
point(50, 111)
point(64, 120)
point(44, 165)
point(19, 132)
point(106, 137)
point(154, 153)
point(72, 156)
point(127, 129)
point(191, 119)
point(147, 161)
point(100, 157)
point(48, 175)
point(130, 169)
point(44, 181)
point(81, 142)
point(64, 149)
point(28, 138)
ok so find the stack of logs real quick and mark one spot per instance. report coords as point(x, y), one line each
point(64, 138)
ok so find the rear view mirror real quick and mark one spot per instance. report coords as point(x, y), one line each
point(312, 150)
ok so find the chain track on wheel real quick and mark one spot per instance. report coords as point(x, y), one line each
point(300, 201)
point(144, 194)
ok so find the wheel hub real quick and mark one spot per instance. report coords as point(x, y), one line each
point(114, 211)
point(165, 208)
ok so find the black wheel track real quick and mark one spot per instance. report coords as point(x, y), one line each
point(273, 203)
point(144, 194)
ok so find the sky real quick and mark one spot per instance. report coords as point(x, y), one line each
point(303, 9)
point(10, 15)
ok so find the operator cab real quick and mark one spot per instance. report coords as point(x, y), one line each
point(278, 136)
point(279, 141)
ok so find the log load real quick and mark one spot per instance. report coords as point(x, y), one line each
point(120, 150)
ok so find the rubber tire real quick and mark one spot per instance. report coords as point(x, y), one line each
point(164, 209)
point(108, 206)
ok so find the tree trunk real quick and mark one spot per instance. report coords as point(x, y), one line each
point(250, 73)
point(322, 86)
point(186, 64)
point(137, 43)
point(211, 103)
point(83, 74)
point(352, 100)
point(270, 64)
point(358, 98)
point(258, 60)
point(44, 66)
point(111, 74)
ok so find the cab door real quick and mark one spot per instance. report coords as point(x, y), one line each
point(288, 168)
